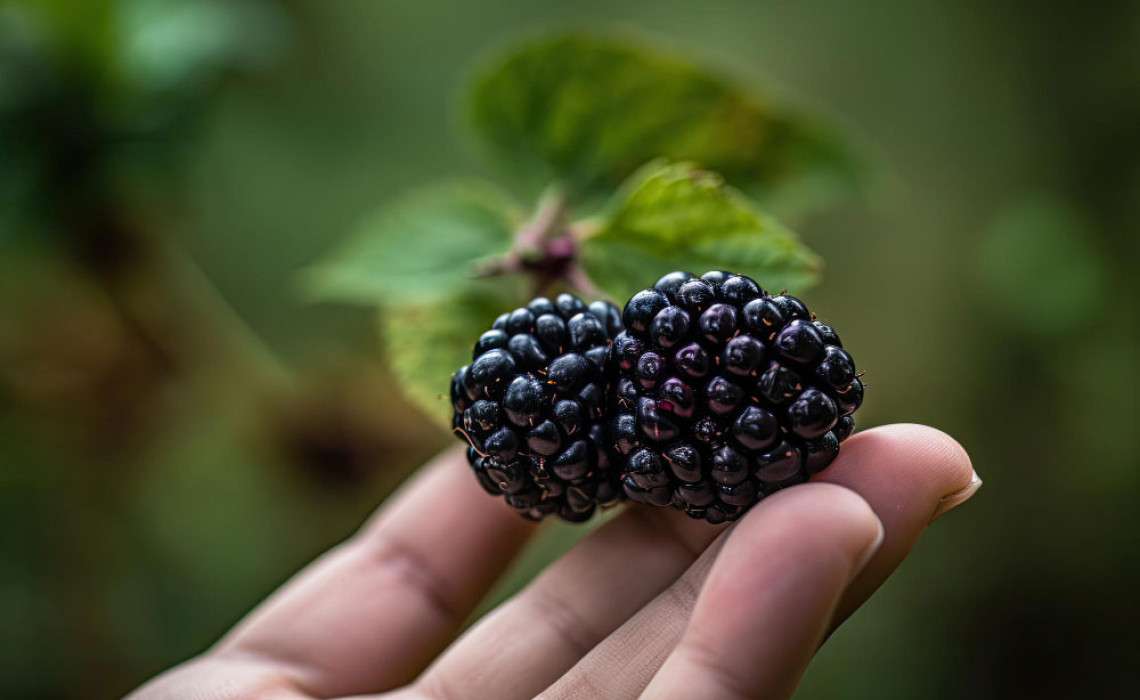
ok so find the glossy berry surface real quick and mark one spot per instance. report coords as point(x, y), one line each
point(532, 406)
point(724, 394)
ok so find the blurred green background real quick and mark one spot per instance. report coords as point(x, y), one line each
point(179, 432)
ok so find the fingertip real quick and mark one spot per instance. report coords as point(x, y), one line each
point(942, 452)
point(851, 518)
point(957, 498)
point(925, 461)
point(836, 500)
point(772, 592)
point(948, 461)
point(834, 513)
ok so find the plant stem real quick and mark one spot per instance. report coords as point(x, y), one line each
point(545, 249)
point(546, 224)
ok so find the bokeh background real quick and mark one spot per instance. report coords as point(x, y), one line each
point(179, 431)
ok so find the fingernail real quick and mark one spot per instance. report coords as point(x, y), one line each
point(957, 498)
point(869, 552)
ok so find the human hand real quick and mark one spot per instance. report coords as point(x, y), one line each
point(651, 603)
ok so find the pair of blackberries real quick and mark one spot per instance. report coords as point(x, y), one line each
point(706, 393)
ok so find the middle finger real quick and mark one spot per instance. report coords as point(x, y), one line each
point(573, 605)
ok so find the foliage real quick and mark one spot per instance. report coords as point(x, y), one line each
point(430, 339)
point(420, 246)
point(101, 95)
point(587, 111)
point(577, 117)
point(673, 217)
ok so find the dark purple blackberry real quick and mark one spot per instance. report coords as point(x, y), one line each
point(724, 394)
point(532, 407)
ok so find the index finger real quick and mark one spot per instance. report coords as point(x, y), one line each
point(903, 472)
point(909, 474)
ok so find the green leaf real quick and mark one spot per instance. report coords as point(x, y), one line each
point(426, 342)
point(675, 217)
point(172, 44)
point(417, 247)
point(588, 111)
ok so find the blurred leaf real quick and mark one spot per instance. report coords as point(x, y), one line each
point(141, 61)
point(674, 217)
point(588, 111)
point(83, 30)
point(1041, 267)
point(419, 246)
point(24, 61)
point(167, 44)
point(426, 342)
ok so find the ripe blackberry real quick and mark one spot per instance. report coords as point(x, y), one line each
point(725, 394)
point(532, 407)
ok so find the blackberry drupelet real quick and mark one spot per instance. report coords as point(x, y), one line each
point(532, 407)
point(725, 394)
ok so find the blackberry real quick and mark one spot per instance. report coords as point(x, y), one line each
point(725, 393)
point(532, 407)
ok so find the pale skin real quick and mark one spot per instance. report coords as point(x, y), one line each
point(651, 604)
